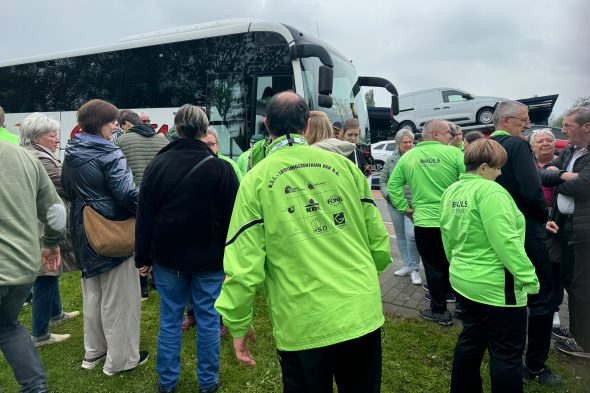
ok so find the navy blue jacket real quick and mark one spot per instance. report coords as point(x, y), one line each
point(95, 173)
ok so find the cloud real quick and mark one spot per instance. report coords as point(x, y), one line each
point(505, 48)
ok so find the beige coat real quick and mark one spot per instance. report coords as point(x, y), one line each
point(53, 168)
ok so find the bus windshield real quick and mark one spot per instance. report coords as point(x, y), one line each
point(348, 100)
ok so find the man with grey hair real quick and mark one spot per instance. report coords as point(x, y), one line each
point(520, 178)
point(562, 173)
point(29, 197)
point(5, 135)
point(429, 169)
point(211, 138)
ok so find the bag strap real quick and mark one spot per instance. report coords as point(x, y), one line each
point(193, 170)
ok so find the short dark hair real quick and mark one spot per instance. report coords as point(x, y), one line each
point(286, 113)
point(485, 151)
point(472, 136)
point(96, 113)
point(128, 115)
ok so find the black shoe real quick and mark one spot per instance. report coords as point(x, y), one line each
point(213, 389)
point(143, 358)
point(458, 313)
point(571, 347)
point(561, 333)
point(544, 377)
point(162, 389)
point(144, 294)
point(444, 319)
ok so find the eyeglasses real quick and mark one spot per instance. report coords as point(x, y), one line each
point(148, 121)
point(525, 121)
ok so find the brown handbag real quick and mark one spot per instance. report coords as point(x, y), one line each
point(109, 238)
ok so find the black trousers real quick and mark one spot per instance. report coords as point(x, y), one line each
point(431, 250)
point(540, 305)
point(500, 330)
point(568, 257)
point(354, 364)
point(582, 291)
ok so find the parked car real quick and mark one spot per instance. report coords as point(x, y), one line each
point(380, 151)
point(447, 103)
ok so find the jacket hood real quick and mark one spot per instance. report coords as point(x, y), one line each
point(143, 129)
point(336, 146)
point(85, 147)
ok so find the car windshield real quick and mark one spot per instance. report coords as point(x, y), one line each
point(348, 102)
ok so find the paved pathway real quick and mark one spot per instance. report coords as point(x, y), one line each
point(399, 295)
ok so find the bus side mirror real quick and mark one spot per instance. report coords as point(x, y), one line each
point(325, 80)
point(325, 101)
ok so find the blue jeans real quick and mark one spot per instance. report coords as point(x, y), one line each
point(15, 342)
point(46, 305)
point(175, 290)
point(406, 242)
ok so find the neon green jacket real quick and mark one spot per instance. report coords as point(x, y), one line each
point(305, 226)
point(233, 165)
point(483, 235)
point(243, 161)
point(428, 169)
point(7, 136)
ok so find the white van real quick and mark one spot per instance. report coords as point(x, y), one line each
point(447, 103)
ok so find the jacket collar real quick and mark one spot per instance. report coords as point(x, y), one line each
point(283, 141)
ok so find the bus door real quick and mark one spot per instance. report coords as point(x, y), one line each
point(267, 86)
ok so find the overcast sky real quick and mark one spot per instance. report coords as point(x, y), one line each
point(513, 49)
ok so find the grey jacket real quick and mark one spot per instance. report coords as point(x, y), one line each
point(388, 168)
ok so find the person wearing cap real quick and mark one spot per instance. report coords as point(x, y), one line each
point(306, 228)
point(337, 129)
point(483, 235)
point(245, 156)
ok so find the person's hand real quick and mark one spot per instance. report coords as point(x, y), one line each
point(50, 258)
point(145, 270)
point(410, 213)
point(565, 176)
point(243, 349)
point(551, 227)
point(552, 168)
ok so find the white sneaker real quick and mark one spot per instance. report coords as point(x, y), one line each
point(65, 317)
point(416, 280)
point(404, 271)
point(53, 338)
point(556, 321)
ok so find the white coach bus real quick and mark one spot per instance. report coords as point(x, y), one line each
point(229, 67)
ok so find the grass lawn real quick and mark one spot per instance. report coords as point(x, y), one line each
point(417, 357)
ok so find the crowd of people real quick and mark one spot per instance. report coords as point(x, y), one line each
point(500, 224)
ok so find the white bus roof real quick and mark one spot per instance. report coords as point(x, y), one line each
point(182, 33)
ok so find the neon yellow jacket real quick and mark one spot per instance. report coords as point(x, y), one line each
point(233, 164)
point(429, 169)
point(305, 227)
point(483, 235)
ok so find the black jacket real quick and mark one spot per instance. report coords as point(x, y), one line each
point(581, 193)
point(551, 178)
point(95, 173)
point(182, 222)
point(520, 177)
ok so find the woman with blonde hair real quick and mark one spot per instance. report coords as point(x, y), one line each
point(319, 133)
